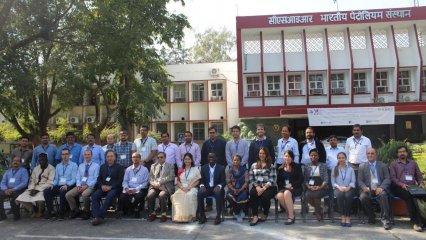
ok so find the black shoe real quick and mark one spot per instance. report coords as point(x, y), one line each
point(371, 221)
point(386, 226)
point(86, 216)
point(290, 221)
point(74, 214)
point(48, 215)
point(61, 216)
point(202, 219)
point(3, 216)
point(217, 220)
point(16, 217)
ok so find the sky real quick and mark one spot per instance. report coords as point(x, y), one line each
point(204, 14)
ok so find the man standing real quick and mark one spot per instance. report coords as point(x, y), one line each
point(24, 152)
point(108, 186)
point(123, 149)
point(357, 146)
point(404, 173)
point(216, 145)
point(135, 187)
point(146, 147)
point(98, 154)
point(75, 149)
point(237, 146)
point(110, 143)
point(211, 184)
point(259, 142)
point(45, 147)
point(286, 143)
point(307, 145)
point(87, 175)
point(374, 181)
point(14, 182)
point(161, 179)
point(191, 147)
point(332, 152)
point(65, 177)
point(172, 151)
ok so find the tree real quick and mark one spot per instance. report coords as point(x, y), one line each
point(177, 55)
point(214, 46)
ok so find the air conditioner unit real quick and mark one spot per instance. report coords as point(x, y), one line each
point(294, 92)
point(404, 88)
point(360, 89)
point(382, 89)
point(74, 120)
point(214, 72)
point(338, 90)
point(315, 91)
point(90, 119)
point(215, 98)
point(274, 93)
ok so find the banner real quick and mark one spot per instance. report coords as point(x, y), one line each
point(351, 116)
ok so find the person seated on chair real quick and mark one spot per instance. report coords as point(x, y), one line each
point(41, 178)
point(263, 176)
point(405, 172)
point(108, 186)
point(316, 179)
point(87, 175)
point(374, 181)
point(237, 179)
point(65, 177)
point(211, 184)
point(290, 184)
point(13, 184)
point(343, 181)
point(185, 198)
point(135, 187)
point(161, 179)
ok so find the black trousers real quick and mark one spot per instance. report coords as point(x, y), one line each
point(132, 202)
point(12, 197)
point(413, 212)
point(219, 197)
point(50, 194)
point(344, 201)
point(383, 199)
point(264, 200)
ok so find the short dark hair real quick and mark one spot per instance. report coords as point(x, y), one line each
point(313, 150)
point(331, 136)
point(110, 150)
point(357, 126)
point(91, 134)
point(313, 130)
point(165, 155)
point(144, 126)
point(26, 137)
point(236, 127)
point(44, 134)
point(286, 126)
point(189, 132)
point(397, 149)
point(261, 125)
point(213, 128)
point(168, 135)
point(69, 134)
point(66, 149)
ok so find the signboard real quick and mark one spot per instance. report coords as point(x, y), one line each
point(351, 116)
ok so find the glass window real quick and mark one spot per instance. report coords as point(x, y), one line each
point(197, 92)
point(338, 83)
point(294, 85)
point(360, 83)
point(217, 91)
point(273, 85)
point(424, 81)
point(219, 127)
point(253, 86)
point(162, 127)
point(404, 81)
point(315, 84)
point(382, 82)
point(198, 129)
point(180, 129)
point(179, 93)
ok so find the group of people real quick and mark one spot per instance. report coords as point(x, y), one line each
point(189, 177)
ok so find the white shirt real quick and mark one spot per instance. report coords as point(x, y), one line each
point(172, 153)
point(332, 156)
point(357, 149)
point(211, 169)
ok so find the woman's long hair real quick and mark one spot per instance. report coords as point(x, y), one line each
point(268, 159)
point(182, 169)
point(336, 168)
point(289, 166)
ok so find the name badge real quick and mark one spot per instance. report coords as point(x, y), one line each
point(62, 180)
point(143, 149)
point(184, 184)
point(260, 179)
point(287, 182)
point(134, 179)
point(108, 179)
point(22, 160)
point(311, 182)
point(408, 178)
point(84, 179)
point(11, 180)
point(375, 181)
point(123, 157)
point(70, 156)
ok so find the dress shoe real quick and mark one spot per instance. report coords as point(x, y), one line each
point(386, 226)
point(119, 214)
point(217, 220)
point(152, 218)
point(97, 221)
point(86, 216)
point(202, 220)
point(371, 221)
point(61, 216)
point(290, 221)
point(16, 217)
point(163, 218)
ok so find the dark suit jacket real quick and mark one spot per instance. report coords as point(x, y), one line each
point(116, 173)
point(320, 147)
point(218, 147)
point(364, 177)
point(255, 148)
point(219, 176)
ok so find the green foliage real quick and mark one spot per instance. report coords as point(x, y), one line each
point(226, 136)
point(57, 135)
point(214, 46)
point(246, 133)
point(114, 130)
point(387, 152)
point(8, 133)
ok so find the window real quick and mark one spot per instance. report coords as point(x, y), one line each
point(253, 86)
point(162, 127)
point(180, 129)
point(293, 43)
point(336, 41)
point(198, 130)
point(404, 81)
point(424, 81)
point(272, 46)
point(273, 85)
point(360, 83)
point(315, 84)
point(163, 91)
point(219, 127)
point(380, 39)
point(179, 93)
point(217, 91)
point(197, 92)
point(358, 40)
point(382, 82)
point(338, 83)
point(314, 42)
point(294, 85)
point(402, 38)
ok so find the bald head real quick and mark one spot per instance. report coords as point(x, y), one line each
point(371, 155)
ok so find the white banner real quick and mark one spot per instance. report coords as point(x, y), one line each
point(351, 116)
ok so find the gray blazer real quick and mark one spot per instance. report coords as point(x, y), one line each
point(168, 178)
point(364, 178)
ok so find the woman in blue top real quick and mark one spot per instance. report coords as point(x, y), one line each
point(343, 182)
point(237, 178)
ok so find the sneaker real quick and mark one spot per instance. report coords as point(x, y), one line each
point(417, 228)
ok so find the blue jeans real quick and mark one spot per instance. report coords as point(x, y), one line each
point(97, 196)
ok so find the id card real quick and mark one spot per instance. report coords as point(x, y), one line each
point(108, 179)
point(143, 149)
point(62, 181)
point(287, 182)
point(375, 181)
point(133, 179)
point(260, 179)
point(123, 156)
point(311, 182)
point(11, 180)
point(22, 160)
point(408, 178)
point(84, 179)
point(184, 184)
point(70, 156)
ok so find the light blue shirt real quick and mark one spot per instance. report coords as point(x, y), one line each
point(136, 178)
point(345, 178)
point(98, 154)
point(306, 159)
point(20, 176)
point(93, 174)
point(241, 147)
point(67, 172)
point(285, 145)
point(75, 152)
point(172, 153)
point(373, 167)
point(331, 161)
point(50, 150)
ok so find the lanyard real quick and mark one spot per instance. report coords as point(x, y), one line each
point(143, 142)
point(407, 167)
point(136, 172)
point(109, 171)
point(283, 145)
point(45, 149)
point(313, 172)
point(165, 147)
point(343, 176)
point(186, 175)
point(14, 172)
point(357, 142)
point(190, 146)
point(373, 169)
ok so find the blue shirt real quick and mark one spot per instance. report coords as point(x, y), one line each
point(21, 179)
point(50, 150)
point(241, 147)
point(75, 151)
point(285, 145)
point(98, 154)
point(136, 178)
point(331, 161)
point(124, 153)
point(373, 169)
point(67, 172)
point(92, 177)
point(345, 178)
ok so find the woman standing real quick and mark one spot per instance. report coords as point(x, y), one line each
point(263, 177)
point(343, 182)
point(316, 179)
point(289, 181)
point(185, 198)
point(237, 179)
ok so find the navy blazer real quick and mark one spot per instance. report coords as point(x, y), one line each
point(219, 176)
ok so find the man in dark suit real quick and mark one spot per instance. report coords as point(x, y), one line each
point(374, 181)
point(310, 143)
point(260, 141)
point(211, 184)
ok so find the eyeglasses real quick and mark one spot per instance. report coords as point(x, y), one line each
point(64, 154)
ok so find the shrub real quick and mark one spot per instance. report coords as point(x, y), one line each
point(387, 152)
